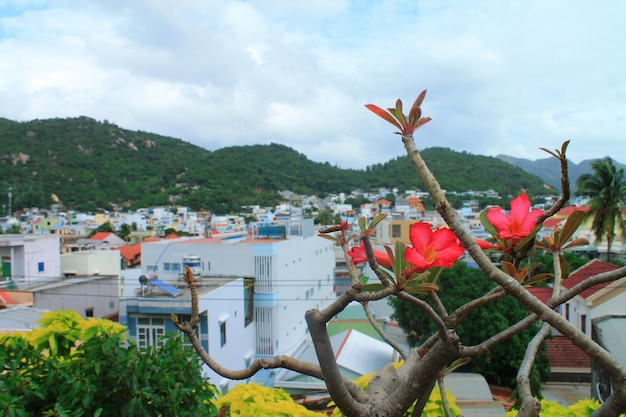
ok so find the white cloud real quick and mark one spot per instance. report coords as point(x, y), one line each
point(503, 77)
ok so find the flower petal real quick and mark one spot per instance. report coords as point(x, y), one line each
point(498, 219)
point(443, 238)
point(420, 235)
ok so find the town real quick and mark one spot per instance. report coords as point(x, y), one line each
point(257, 274)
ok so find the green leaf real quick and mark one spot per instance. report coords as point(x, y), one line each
point(373, 287)
point(363, 279)
point(565, 268)
point(332, 238)
point(361, 223)
point(537, 278)
point(434, 274)
point(581, 241)
point(456, 365)
point(376, 220)
point(488, 226)
point(383, 114)
point(509, 268)
point(572, 223)
point(422, 288)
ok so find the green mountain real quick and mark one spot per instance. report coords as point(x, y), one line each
point(549, 169)
point(89, 165)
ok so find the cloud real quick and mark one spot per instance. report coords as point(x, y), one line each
point(502, 77)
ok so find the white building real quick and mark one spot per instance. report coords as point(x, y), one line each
point(29, 259)
point(285, 265)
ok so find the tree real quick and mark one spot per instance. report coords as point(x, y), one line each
point(606, 189)
point(411, 273)
point(458, 286)
point(74, 367)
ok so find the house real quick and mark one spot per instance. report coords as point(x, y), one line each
point(610, 333)
point(282, 270)
point(29, 260)
point(567, 361)
point(88, 283)
point(598, 301)
point(102, 240)
point(226, 329)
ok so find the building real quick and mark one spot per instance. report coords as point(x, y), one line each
point(29, 260)
point(282, 269)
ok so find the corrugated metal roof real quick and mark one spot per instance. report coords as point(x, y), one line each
point(356, 346)
point(19, 318)
point(473, 396)
point(611, 334)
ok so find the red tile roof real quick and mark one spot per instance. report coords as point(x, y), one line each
point(562, 353)
point(551, 222)
point(5, 298)
point(130, 252)
point(570, 209)
point(542, 293)
point(588, 270)
point(100, 236)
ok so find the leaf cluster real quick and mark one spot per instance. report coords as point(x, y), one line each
point(101, 375)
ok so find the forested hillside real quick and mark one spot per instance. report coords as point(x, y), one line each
point(92, 165)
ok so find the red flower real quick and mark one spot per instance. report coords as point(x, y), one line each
point(358, 255)
point(438, 248)
point(518, 224)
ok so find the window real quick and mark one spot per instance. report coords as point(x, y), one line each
point(171, 267)
point(222, 333)
point(396, 231)
point(149, 331)
point(567, 312)
point(151, 268)
point(583, 323)
point(40, 267)
point(89, 312)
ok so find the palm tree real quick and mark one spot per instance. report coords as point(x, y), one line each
point(606, 189)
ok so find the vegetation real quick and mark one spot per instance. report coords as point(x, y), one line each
point(458, 286)
point(73, 367)
point(259, 401)
point(91, 165)
point(582, 408)
point(606, 188)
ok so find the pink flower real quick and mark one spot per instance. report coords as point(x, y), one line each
point(438, 248)
point(518, 224)
point(358, 255)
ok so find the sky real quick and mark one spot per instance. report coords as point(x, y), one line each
point(503, 77)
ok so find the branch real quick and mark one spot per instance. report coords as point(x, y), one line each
point(382, 333)
point(330, 371)
point(510, 285)
point(565, 187)
point(426, 308)
point(530, 405)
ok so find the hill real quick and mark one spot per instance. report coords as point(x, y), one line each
point(549, 169)
point(92, 165)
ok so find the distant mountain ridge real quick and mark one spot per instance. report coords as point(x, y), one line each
point(549, 169)
point(92, 165)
